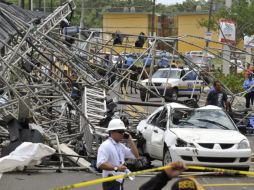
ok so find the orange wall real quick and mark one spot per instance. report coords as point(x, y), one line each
point(130, 23)
point(188, 25)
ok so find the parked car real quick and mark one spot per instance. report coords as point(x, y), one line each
point(203, 62)
point(199, 54)
point(159, 54)
point(174, 82)
point(115, 59)
point(204, 136)
point(239, 63)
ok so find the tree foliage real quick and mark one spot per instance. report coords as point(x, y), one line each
point(232, 81)
point(189, 5)
point(95, 8)
point(241, 12)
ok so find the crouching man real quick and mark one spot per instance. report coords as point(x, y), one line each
point(112, 154)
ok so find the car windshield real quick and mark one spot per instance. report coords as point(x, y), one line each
point(197, 53)
point(236, 61)
point(207, 119)
point(167, 73)
point(200, 60)
point(115, 58)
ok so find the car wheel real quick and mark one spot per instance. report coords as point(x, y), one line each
point(174, 95)
point(166, 157)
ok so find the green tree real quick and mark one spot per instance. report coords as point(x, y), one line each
point(190, 6)
point(95, 8)
point(241, 12)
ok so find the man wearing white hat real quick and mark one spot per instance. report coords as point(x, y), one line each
point(112, 154)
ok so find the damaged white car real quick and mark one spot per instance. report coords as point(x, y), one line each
point(204, 136)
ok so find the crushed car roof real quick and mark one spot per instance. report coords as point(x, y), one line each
point(181, 106)
point(209, 107)
point(177, 105)
point(178, 69)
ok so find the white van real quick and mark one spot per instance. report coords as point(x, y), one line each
point(239, 63)
point(198, 54)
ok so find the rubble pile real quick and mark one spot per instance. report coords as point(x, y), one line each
point(52, 91)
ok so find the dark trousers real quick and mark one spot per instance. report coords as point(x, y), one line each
point(252, 98)
point(112, 185)
point(249, 99)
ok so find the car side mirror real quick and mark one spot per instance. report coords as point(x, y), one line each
point(184, 78)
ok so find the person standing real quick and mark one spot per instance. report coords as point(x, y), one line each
point(216, 96)
point(173, 64)
point(248, 71)
point(147, 61)
point(112, 154)
point(129, 61)
point(163, 62)
point(248, 85)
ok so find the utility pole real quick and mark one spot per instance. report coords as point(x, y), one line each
point(39, 5)
point(226, 48)
point(209, 21)
point(44, 6)
point(82, 24)
point(22, 3)
point(31, 5)
point(153, 18)
point(248, 55)
point(51, 6)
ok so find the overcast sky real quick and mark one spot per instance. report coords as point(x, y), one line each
point(169, 2)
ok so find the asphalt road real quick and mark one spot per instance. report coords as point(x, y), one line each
point(45, 180)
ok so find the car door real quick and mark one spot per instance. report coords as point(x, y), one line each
point(158, 132)
point(148, 129)
point(190, 83)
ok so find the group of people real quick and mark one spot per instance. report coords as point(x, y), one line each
point(162, 63)
point(112, 153)
point(218, 97)
point(111, 160)
point(147, 62)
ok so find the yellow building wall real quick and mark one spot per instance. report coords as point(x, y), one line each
point(126, 24)
point(188, 25)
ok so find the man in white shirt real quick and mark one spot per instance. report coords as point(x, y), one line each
point(112, 154)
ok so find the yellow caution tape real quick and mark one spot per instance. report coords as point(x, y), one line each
point(219, 170)
point(112, 178)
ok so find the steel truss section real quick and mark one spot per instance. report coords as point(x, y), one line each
point(48, 24)
point(49, 89)
point(94, 107)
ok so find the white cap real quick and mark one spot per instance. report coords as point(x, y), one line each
point(116, 124)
